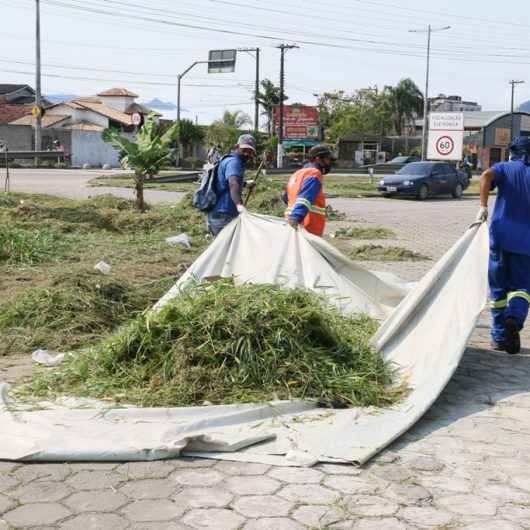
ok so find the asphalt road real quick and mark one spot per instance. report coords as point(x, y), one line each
point(73, 184)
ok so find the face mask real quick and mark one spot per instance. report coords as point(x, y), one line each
point(325, 169)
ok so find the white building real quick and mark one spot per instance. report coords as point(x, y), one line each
point(443, 103)
point(78, 124)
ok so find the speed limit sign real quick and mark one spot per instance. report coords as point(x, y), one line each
point(445, 145)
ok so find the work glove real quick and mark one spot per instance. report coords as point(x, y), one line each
point(293, 223)
point(250, 184)
point(241, 208)
point(482, 215)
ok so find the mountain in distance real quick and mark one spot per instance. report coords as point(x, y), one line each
point(61, 98)
point(158, 104)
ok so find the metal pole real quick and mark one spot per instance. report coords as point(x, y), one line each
point(513, 82)
point(426, 97)
point(7, 183)
point(256, 97)
point(177, 158)
point(38, 94)
point(280, 131)
point(425, 134)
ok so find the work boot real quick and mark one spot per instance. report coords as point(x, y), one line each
point(498, 346)
point(513, 341)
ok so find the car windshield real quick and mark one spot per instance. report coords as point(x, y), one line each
point(415, 168)
point(398, 160)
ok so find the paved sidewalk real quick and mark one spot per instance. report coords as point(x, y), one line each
point(464, 465)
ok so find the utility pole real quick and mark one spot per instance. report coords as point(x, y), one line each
point(513, 82)
point(429, 30)
point(283, 48)
point(256, 86)
point(38, 94)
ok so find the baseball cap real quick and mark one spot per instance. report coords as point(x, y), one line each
point(247, 141)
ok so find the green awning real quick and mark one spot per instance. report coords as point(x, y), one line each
point(290, 144)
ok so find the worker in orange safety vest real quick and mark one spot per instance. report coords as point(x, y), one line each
point(306, 202)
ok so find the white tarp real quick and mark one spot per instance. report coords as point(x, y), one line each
point(424, 336)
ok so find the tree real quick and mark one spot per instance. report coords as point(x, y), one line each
point(407, 102)
point(190, 134)
point(225, 131)
point(147, 155)
point(269, 98)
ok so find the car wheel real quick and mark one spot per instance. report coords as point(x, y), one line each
point(458, 191)
point(423, 192)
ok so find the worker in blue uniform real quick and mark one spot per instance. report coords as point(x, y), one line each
point(509, 263)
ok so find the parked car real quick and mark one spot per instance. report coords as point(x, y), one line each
point(393, 165)
point(424, 179)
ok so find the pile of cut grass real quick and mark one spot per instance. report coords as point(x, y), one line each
point(72, 309)
point(364, 233)
point(381, 253)
point(28, 247)
point(225, 344)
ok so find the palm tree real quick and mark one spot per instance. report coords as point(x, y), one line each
point(190, 134)
point(269, 99)
point(235, 120)
point(407, 102)
point(147, 155)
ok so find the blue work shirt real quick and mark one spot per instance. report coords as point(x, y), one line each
point(510, 223)
point(310, 190)
point(231, 166)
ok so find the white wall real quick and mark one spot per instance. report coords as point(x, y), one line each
point(81, 115)
point(89, 148)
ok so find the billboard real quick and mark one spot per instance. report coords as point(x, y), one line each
point(300, 122)
point(446, 136)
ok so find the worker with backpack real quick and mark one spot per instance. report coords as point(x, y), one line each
point(220, 193)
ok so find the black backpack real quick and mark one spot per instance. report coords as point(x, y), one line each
point(205, 197)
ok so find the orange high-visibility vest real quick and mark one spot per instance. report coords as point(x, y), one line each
point(315, 220)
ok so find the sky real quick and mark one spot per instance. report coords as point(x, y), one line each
point(92, 45)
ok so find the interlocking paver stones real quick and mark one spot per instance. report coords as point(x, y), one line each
point(213, 519)
point(296, 475)
point(370, 506)
point(316, 516)
point(40, 491)
point(503, 494)
point(153, 510)
point(441, 483)
point(262, 506)
point(204, 497)
point(352, 485)
point(190, 463)
point(48, 472)
point(94, 480)
point(8, 482)
point(309, 494)
point(468, 505)
point(159, 526)
point(425, 516)
point(521, 482)
point(197, 477)
point(339, 469)
point(273, 523)
point(392, 472)
point(425, 463)
point(241, 468)
point(386, 523)
point(515, 513)
point(95, 521)
point(149, 489)
point(495, 524)
point(7, 467)
point(6, 504)
point(96, 501)
point(408, 493)
point(252, 485)
point(145, 470)
point(36, 514)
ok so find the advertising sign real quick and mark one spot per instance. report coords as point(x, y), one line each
point(446, 136)
point(299, 122)
point(221, 61)
point(502, 136)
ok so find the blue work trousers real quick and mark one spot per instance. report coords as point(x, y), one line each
point(509, 281)
point(217, 221)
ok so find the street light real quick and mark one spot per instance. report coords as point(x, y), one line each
point(429, 30)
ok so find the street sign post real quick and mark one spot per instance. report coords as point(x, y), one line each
point(136, 119)
point(221, 61)
point(446, 136)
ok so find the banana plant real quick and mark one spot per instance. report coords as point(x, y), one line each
point(146, 154)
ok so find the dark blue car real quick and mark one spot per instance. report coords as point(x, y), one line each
point(425, 179)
